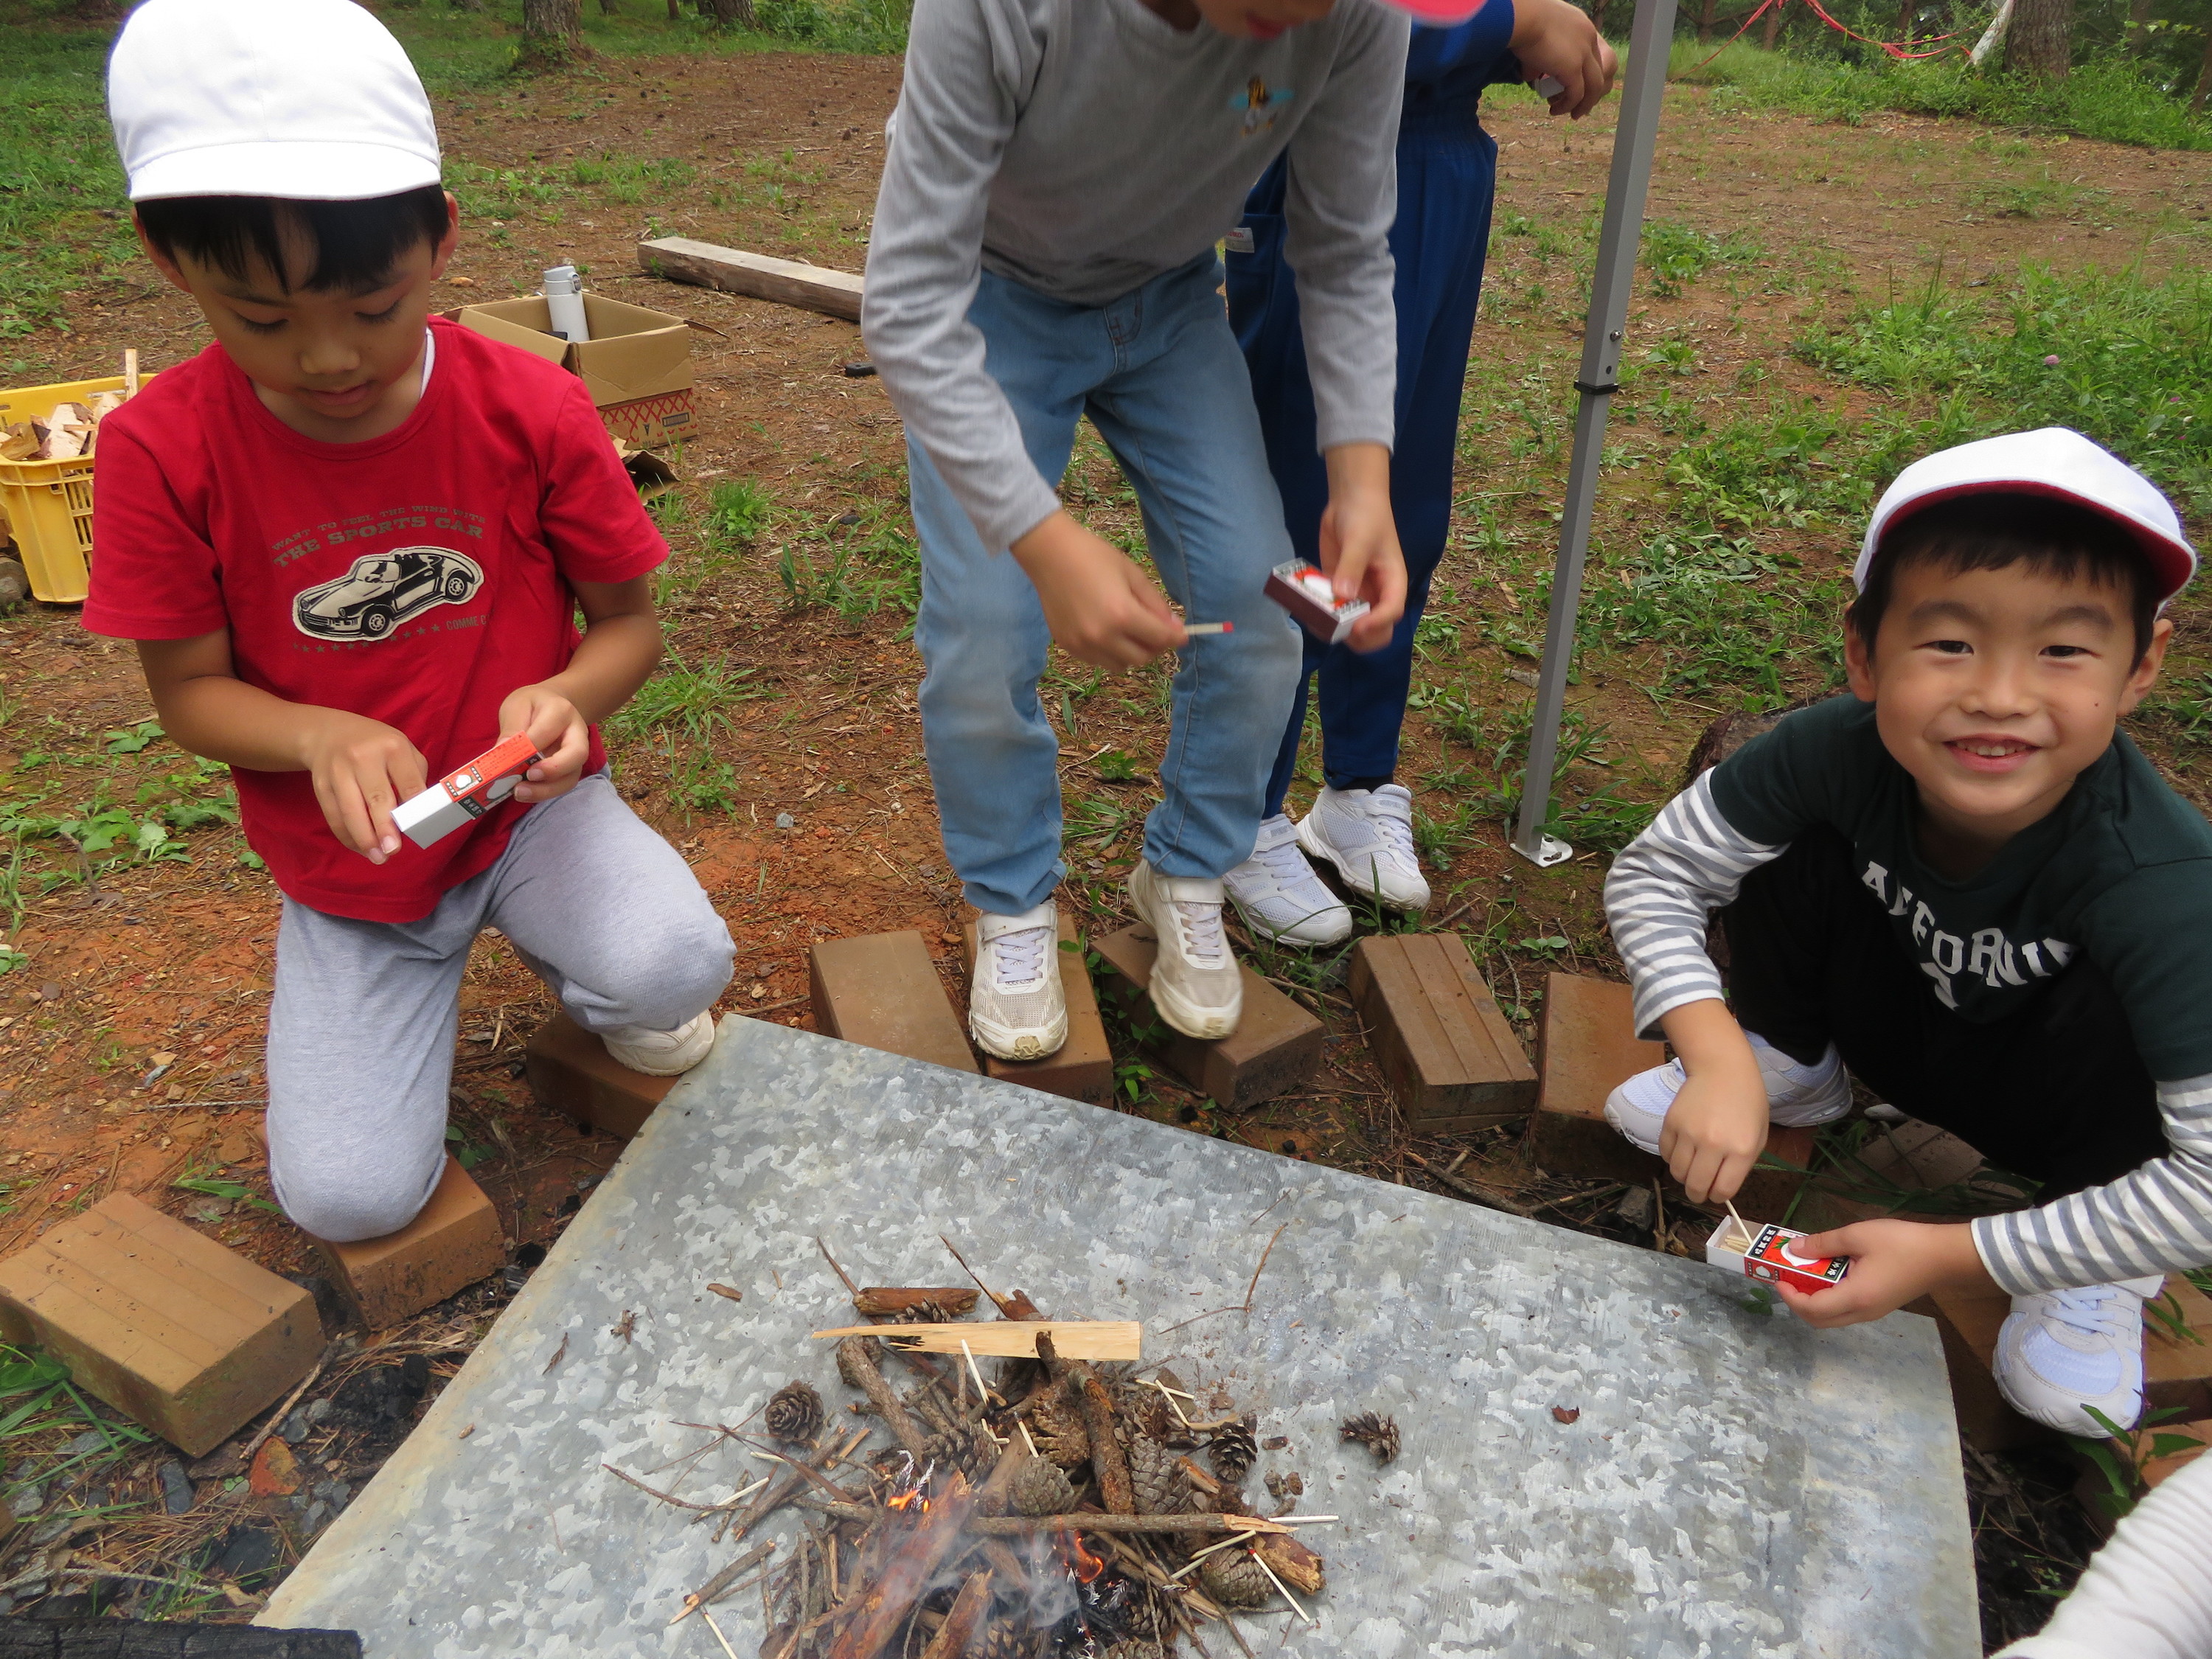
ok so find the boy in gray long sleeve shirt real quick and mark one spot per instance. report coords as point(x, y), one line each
point(1059, 173)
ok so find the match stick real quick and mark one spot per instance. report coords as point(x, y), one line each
point(1301, 1520)
point(1310, 1620)
point(1740, 1224)
point(1030, 1444)
point(1196, 628)
point(981, 1392)
point(733, 1652)
point(1170, 1394)
point(1191, 1565)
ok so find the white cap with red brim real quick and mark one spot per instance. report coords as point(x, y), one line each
point(2055, 462)
point(300, 99)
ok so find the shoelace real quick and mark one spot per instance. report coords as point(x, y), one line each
point(1018, 958)
point(1397, 834)
point(1202, 927)
point(2091, 1310)
point(1286, 863)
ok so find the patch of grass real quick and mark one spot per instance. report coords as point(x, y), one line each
point(2109, 98)
point(693, 698)
point(737, 511)
point(2122, 356)
point(1677, 254)
point(863, 26)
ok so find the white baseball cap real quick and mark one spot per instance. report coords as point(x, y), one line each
point(302, 100)
point(2055, 462)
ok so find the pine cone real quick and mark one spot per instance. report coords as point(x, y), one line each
point(924, 1312)
point(1235, 1580)
point(1132, 1649)
point(965, 1447)
point(1041, 1487)
point(1057, 1428)
point(795, 1414)
point(1004, 1640)
point(1378, 1434)
point(1233, 1450)
point(1156, 1476)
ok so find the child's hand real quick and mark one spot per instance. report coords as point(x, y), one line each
point(1554, 38)
point(1715, 1129)
point(1893, 1262)
point(1101, 608)
point(362, 769)
point(1360, 542)
point(563, 736)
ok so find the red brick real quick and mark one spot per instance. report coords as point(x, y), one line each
point(1275, 1047)
point(1586, 1046)
point(169, 1328)
point(1967, 1321)
point(1449, 1054)
point(1082, 1067)
point(571, 1073)
point(455, 1242)
point(882, 991)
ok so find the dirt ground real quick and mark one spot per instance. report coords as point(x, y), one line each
point(130, 1036)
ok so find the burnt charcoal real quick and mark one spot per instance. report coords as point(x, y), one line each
point(331, 1307)
point(380, 1403)
point(247, 1549)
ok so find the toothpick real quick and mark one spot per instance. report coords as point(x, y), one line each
point(1170, 1395)
point(733, 1652)
point(1191, 1565)
point(1301, 1520)
point(1030, 1444)
point(1741, 1226)
point(1311, 1621)
point(974, 1370)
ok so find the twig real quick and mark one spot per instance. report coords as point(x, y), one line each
point(851, 1288)
point(680, 1502)
point(290, 1401)
point(1469, 1190)
point(853, 1355)
point(1197, 1556)
point(1285, 1588)
point(733, 1652)
point(1252, 1289)
point(714, 1587)
point(997, 1301)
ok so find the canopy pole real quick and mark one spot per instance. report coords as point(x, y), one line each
point(1634, 139)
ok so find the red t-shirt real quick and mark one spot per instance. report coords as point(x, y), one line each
point(416, 579)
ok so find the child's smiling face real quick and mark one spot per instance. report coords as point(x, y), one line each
point(1996, 690)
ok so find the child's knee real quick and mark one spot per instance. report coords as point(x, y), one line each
point(344, 1203)
point(676, 969)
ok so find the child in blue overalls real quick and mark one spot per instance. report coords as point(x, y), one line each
point(1362, 821)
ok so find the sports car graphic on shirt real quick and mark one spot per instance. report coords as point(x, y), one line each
point(384, 590)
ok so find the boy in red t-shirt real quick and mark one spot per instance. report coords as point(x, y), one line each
point(349, 541)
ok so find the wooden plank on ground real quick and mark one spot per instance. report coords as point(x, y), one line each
point(758, 275)
point(1081, 1068)
point(1276, 1047)
point(1451, 1058)
point(881, 990)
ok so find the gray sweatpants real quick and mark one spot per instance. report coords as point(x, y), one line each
point(362, 1020)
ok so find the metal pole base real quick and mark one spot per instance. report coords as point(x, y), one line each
point(1550, 850)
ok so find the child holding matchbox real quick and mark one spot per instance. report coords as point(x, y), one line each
point(1362, 822)
point(1059, 174)
point(1964, 884)
point(349, 542)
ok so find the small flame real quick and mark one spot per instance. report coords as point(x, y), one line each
point(1081, 1562)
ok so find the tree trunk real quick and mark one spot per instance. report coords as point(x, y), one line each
point(733, 14)
point(606, 8)
point(2203, 78)
point(551, 37)
point(2041, 41)
point(1905, 8)
point(674, 16)
point(1770, 28)
point(1596, 9)
point(1706, 9)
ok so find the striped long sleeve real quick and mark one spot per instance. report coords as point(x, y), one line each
point(1662, 888)
point(2155, 1218)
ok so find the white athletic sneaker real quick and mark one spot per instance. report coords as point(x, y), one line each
point(1196, 984)
point(1368, 835)
point(662, 1053)
point(1797, 1096)
point(1016, 1005)
point(1278, 895)
point(2060, 1351)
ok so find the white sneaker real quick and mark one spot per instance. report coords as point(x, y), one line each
point(662, 1053)
point(2061, 1352)
point(1016, 1008)
point(1196, 984)
point(1797, 1096)
point(1368, 835)
point(1278, 895)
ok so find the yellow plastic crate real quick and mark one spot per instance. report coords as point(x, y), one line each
point(49, 503)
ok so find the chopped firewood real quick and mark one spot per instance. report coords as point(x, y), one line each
point(20, 443)
point(877, 1302)
point(1087, 1338)
point(857, 1366)
point(1294, 1564)
point(967, 1611)
point(1107, 1461)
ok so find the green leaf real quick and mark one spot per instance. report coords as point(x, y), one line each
point(26, 1375)
point(2165, 1445)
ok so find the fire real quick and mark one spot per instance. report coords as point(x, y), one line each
point(908, 1499)
point(1081, 1562)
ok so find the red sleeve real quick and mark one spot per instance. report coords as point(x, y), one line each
point(590, 515)
point(154, 573)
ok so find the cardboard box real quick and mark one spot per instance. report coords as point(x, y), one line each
point(637, 364)
point(467, 792)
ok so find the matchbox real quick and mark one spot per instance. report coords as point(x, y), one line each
point(466, 792)
point(1304, 591)
point(1764, 1254)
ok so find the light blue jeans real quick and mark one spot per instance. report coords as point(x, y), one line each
point(1159, 374)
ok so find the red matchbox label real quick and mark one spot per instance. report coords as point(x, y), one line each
point(1767, 1255)
point(490, 778)
point(1306, 592)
